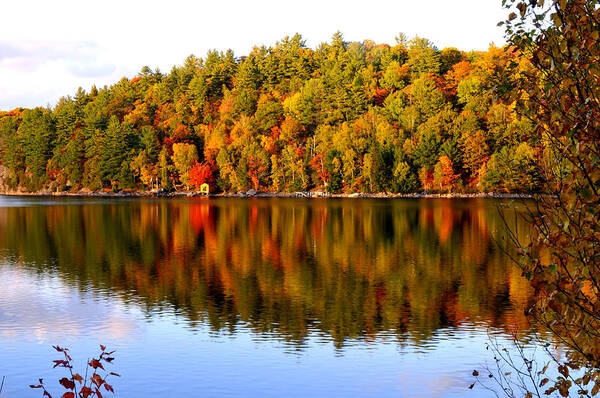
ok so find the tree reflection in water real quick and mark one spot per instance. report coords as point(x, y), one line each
point(347, 268)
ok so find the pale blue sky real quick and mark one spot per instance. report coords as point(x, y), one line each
point(48, 49)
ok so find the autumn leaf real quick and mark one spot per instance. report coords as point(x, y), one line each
point(97, 380)
point(596, 388)
point(563, 370)
point(94, 363)
point(66, 383)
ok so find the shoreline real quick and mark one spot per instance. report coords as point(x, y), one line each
point(254, 194)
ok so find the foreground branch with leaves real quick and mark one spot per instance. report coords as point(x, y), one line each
point(82, 386)
point(532, 368)
point(560, 93)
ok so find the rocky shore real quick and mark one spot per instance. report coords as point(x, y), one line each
point(254, 194)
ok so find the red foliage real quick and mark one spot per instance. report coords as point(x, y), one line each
point(255, 170)
point(201, 173)
point(168, 143)
point(275, 132)
point(157, 116)
point(380, 95)
point(201, 218)
point(318, 165)
point(426, 178)
point(447, 87)
point(53, 173)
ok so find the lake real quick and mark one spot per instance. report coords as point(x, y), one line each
point(259, 297)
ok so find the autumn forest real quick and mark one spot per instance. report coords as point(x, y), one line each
point(344, 117)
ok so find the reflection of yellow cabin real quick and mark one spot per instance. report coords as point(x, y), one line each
point(204, 188)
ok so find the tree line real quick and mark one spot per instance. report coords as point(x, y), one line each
point(343, 117)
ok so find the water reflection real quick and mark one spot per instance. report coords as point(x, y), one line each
point(347, 270)
point(50, 312)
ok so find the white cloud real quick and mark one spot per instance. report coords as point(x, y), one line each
point(90, 68)
point(82, 58)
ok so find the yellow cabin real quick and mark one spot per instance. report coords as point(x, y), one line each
point(204, 189)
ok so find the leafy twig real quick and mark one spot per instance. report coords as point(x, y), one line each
point(88, 387)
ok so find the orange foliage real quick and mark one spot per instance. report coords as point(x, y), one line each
point(290, 128)
point(444, 177)
point(461, 70)
point(181, 133)
point(454, 76)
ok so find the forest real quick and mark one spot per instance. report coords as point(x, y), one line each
point(345, 117)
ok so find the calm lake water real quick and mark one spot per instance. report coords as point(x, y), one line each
point(258, 297)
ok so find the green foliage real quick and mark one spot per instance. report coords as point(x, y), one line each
point(333, 166)
point(38, 132)
point(423, 57)
point(448, 58)
point(164, 170)
point(113, 150)
point(428, 148)
point(428, 100)
point(184, 157)
point(395, 76)
point(405, 180)
point(512, 169)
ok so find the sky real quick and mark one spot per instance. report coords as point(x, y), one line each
point(50, 48)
